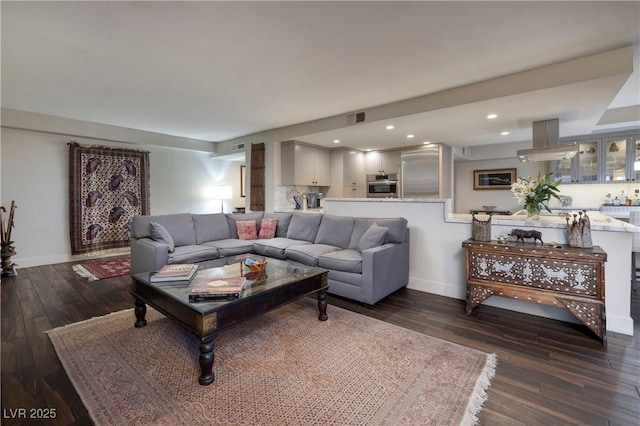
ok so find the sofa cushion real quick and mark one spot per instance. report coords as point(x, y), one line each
point(211, 227)
point(268, 227)
point(275, 247)
point(304, 226)
point(374, 237)
point(231, 247)
point(193, 253)
point(335, 231)
point(160, 234)
point(344, 277)
point(179, 226)
point(284, 219)
point(342, 260)
point(308, 253)
point(232, 217)
point(397, 228)
point(247, 229)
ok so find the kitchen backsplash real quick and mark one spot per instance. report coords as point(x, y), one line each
point(593, 195)
point(284, 196)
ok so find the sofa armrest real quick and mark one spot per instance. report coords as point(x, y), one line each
point(148, 255)
point(385, 269)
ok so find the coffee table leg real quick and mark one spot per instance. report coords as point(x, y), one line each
point(322, 305)
point(141, 311)
point(206, 361)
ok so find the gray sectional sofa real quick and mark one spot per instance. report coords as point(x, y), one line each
point(367, 258)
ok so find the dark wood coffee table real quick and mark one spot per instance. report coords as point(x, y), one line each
point(281, 283)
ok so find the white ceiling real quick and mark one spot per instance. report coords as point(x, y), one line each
point(220, 70)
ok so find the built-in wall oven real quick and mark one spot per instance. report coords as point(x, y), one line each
point(382, 186)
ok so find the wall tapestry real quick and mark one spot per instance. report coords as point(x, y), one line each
point(107, 187)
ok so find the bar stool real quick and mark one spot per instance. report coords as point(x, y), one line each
point(634, 219)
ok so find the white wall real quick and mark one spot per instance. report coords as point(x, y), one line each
point(466, 198)
point(34, 172)
point(589, 196)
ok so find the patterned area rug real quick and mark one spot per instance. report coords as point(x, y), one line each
point(100, 270)
point(284, 368)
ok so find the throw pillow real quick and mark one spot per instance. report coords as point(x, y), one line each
point(160, 234)
point(373, 237)
point(247, 229)
point(268, 228)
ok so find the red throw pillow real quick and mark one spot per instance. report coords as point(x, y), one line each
point(247, 229)
point(268, 227)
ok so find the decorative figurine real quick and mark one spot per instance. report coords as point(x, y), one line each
point(521, 234)
point(579, 231)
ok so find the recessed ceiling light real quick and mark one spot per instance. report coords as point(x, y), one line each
point(504, 133)
point(426, 143)
point(390, 127)
point(336, 141)
point(492, 116)
point(410, 136)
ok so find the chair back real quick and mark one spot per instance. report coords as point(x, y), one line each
point(634, 219)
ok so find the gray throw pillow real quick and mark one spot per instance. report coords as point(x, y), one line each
point(374, 237)
point(160, 234)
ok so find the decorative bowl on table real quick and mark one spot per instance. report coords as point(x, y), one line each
point(255, 265)
point(256, 276)
point(489, 208)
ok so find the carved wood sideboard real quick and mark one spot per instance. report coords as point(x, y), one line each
point(561, 276)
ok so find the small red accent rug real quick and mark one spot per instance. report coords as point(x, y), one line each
point(102, 269)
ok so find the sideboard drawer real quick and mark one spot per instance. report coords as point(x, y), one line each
point(537, 272)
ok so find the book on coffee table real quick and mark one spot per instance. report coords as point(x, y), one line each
point(175, 272)
point(216, 288)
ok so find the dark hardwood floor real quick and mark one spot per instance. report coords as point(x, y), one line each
point(549, 372)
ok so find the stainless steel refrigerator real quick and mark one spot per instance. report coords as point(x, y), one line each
point(426, 172)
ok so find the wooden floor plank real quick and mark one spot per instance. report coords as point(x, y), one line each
point(549, 372)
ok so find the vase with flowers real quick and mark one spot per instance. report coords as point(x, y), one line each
point(535, 193)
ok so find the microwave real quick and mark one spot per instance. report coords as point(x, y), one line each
point(382, 186)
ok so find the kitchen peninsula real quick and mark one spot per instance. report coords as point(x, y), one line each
point(437, 260)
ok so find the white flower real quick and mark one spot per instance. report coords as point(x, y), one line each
point(534, 193)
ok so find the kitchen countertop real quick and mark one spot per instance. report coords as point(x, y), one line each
point(318, 210)
point(599, 221)
point(619, 212)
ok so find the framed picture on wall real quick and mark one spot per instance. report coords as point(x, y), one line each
point(242, 177)
point(494, 178)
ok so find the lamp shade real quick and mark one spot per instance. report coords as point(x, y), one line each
point(222, 192)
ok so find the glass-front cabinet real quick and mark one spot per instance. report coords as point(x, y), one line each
point(610, 159)
point(587, 159)
point(615, 160)
point(581, 168)
point(633, 165)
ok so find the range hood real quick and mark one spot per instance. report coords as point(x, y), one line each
point(546, 147)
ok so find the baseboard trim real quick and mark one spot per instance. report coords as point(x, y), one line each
point(615, 324)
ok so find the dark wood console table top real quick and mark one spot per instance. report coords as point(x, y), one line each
point(281, 283)
point(561, 276)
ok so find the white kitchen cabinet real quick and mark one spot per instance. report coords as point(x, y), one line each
point(354, 175)
point(382, 162)
point(305, 165)
point(347, 174)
